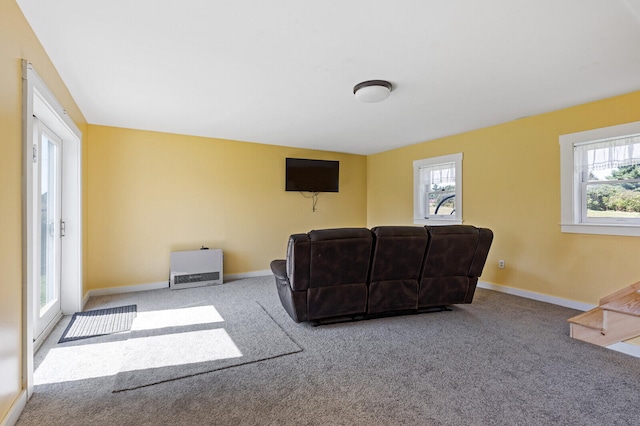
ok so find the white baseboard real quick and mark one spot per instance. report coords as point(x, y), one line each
point(232, 277)
point(124, 289)
point(567, 303)
point(626, 348)
point(623, 347)
point(163, 284)
point(15, 410)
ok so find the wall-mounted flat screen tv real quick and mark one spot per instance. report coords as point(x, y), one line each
point(312, 175)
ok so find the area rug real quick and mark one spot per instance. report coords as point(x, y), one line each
point(170, 345)
point(99, 322)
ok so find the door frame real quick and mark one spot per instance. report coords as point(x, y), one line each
point(39, 101)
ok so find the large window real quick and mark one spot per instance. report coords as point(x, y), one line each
point(600, 175)
point(437, 188)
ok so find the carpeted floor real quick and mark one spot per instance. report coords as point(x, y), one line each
point(502, 360)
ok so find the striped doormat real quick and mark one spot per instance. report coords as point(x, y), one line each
point(99, 323)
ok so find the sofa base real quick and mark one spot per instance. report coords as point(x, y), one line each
point(364, 317)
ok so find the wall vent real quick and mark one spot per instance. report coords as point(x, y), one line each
point(195, 268)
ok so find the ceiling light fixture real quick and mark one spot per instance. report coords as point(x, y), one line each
point(372, 91)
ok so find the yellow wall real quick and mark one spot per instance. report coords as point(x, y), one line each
point(17, 41)
point(511, 184)
point(152, 193)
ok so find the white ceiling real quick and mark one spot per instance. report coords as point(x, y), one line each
point(282, 71)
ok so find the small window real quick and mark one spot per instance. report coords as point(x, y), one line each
point(437, 187)
point(600, 177)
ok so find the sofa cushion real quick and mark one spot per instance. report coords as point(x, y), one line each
point(395, 267)
point(339, 256)
point(451, 250)
point(398, 252)
point(441, 291)
point(334, 301)
point(447, 263)
point(391, 296)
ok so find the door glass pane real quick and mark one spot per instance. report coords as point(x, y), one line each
point(48, 222)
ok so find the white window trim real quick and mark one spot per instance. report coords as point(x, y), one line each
point(417, 164)
point(570, 209)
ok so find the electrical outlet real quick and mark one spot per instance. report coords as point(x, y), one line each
point(501, 264)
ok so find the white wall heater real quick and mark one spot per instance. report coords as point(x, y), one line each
point(195, 268)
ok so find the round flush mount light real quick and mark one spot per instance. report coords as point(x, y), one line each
point(372, 91)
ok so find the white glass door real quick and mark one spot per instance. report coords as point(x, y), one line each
point(48, 157)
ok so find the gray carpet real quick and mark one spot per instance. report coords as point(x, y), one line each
point(99, 322)
point(219, 338)
point(502, 360)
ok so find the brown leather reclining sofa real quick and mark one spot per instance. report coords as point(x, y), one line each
point(357, 272)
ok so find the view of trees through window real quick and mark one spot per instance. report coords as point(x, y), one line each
point(615, 193)
point(442, 199)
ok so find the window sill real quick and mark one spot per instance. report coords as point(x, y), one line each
point(437, 222)
point(600, 229)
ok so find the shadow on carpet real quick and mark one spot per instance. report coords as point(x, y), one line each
point(173, 344)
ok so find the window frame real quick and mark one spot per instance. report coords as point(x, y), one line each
point(418, 219)
point(571, 187)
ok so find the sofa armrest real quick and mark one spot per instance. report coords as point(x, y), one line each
point(298, 262)
point(482, 252)
point(279, 269)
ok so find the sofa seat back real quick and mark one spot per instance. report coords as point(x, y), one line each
point(395, 268)
point(445, 273)
point(339, 266)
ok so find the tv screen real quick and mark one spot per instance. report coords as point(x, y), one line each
point(312, 175)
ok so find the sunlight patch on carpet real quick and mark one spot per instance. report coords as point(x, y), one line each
point(176, 318)
point(78, 362)
point(185, 348)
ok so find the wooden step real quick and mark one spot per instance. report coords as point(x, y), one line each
point(590, 319)
point(616, 319)
point(615, 327)
point(627, 304)
point(633, 288)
